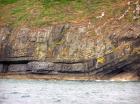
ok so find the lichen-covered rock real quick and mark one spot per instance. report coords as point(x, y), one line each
point(72, 48)
point(70, 43)
point(62, 43)
point(58, 41)
point(69, 48)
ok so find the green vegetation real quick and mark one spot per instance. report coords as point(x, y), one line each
point(44, 12)
point(4, 2)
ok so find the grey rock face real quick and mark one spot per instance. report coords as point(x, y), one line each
point(80, 67)
point(67, 47)
point(17, 68)
point(40, 67)
point(48, 67)
point(1, 68)
point(70, 68)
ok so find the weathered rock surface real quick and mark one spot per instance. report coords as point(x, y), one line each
point(40, 67)
point(69, 49)
point(17, 68)
point(105, 49)
point(1, 67)
point(52, 68)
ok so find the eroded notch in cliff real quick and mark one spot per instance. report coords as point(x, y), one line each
point(14, 64)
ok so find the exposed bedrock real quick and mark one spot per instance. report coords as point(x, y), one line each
point(70, 48)
point(1, 68)
point(90, 67)
point(47, 67)
point(17, 68)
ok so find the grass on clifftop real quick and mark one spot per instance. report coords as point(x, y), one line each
point(4, 2)
point(44, 12)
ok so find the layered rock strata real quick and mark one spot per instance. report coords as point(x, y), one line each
point(106, 49)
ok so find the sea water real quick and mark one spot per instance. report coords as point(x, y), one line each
point(68, 92)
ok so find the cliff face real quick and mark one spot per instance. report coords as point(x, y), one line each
point(106, 49)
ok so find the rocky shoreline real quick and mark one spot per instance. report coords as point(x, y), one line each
point(108, 49)
point(126, 69)
point(70, 77)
